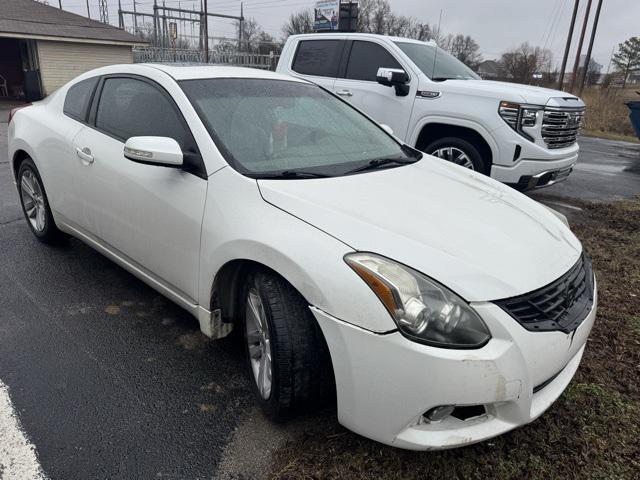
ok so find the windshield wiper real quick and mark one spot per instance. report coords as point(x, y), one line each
point(442, 79)
point(377, 163)
point(291, 174)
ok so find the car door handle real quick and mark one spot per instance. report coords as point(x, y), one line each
point(84, 154)
point(344, 93)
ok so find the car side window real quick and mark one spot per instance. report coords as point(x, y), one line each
point(132, 108)
point(318, 57)
point(78, 98)
point(366, 58)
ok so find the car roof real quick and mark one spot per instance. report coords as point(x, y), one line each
point(362, 35)
point(184, 71)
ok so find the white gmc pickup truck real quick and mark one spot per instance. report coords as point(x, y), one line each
point(521, 135)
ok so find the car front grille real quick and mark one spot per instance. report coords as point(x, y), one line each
point(560, 126)
point(560, 306)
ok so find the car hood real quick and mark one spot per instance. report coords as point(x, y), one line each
point(479, 237)
point(512, 92)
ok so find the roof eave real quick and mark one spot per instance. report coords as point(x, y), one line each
point(30, 36)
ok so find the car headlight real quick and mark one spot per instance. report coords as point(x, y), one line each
point(424, 310)
point(520, 116)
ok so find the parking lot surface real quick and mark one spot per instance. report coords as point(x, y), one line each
point(110, 380)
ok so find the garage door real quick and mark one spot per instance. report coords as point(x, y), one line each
point(62, 61)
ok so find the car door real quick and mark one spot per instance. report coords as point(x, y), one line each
point(360, 87)
point(149, 215)
point(318, 60)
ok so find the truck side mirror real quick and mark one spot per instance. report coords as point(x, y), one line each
point(394, 77)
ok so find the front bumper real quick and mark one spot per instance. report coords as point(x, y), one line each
point(385, 382)
point(530, 174)
point(527, 165)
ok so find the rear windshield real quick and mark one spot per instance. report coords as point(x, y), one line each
point(269, 126)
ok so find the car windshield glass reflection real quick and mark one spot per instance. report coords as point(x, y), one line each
point(276, 128)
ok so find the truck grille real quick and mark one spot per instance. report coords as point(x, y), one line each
point(560, 126)
point(560, 306)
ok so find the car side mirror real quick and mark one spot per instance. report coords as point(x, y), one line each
point(162, 151)
point(394, 77)
point(386, 128)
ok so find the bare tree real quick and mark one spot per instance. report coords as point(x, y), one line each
point(464, 48)
point(627, 58)
point(301, 22)
point(522, 63)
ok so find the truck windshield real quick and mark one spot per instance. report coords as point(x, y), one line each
point(435, 63)
point(286, 129)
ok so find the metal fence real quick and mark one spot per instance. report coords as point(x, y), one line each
point(178, 55)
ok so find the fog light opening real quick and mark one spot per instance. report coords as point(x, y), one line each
point(436, 414)
point(468, 412)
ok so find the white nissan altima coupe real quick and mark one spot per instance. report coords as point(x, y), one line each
point(444, 307)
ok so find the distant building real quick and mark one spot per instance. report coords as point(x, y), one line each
point(490, 70)
point(43, 47)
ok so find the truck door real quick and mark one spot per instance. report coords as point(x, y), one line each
point(359, 86)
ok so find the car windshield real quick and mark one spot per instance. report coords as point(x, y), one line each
point(435, 63)
point(271, 128)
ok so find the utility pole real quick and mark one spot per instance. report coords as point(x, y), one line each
point(576, 65)
point(60, 4)
point(568, 45)
point(206, 32)
point(104, 11)
point(120, 18)
point(88, 10)
point(155, 22)
point(135, 18)
point(241, 27)
point(590, 48)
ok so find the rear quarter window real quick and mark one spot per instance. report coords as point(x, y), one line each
point(78, 98)
point(318, 57)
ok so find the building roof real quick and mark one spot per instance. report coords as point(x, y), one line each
point(490, 67)
point(30, 19)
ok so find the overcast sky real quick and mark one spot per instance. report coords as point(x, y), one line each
point(496, 25)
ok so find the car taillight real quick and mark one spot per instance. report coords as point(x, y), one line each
point(13, 111)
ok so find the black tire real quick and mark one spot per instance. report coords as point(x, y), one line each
point(49, 233)
point(479, 164)
point(302, 377)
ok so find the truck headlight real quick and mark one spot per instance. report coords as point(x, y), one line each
point(424, 310)
point(519, 116)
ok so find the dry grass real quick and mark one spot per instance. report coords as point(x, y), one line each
point(607, 113)
point(591, 432)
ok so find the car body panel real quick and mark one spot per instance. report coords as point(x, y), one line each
point(462, 241)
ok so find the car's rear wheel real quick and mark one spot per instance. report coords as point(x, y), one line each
point(458, 151)
point(285, 350)
point(35, 204)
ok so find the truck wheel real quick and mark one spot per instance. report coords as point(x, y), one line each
point(35, 204)
point(286, 353)
point(459, 151)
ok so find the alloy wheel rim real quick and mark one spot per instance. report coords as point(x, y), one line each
point(259, 343)
point(455, 155)
point(33, 200)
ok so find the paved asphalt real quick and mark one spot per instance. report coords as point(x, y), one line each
point(110, 380)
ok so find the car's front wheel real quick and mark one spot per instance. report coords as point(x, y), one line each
point(458, 151)
point(286, 354)
point(35, 204)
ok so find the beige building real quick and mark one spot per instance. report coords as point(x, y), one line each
point(43, 47)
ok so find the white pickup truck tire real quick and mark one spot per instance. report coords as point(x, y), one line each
point(458, 151)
